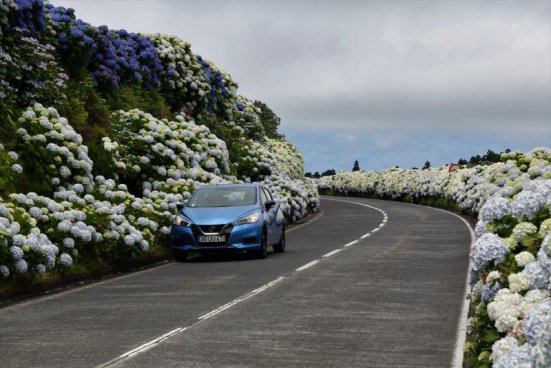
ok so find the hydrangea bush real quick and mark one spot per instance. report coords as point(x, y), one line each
point(510, 323)
point(183, 81)
point(28, 72)
point(166, 160)
point(63, 204)
point(80, 218)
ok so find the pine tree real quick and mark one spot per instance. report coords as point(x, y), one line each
point(356, 166)
point(427, 165)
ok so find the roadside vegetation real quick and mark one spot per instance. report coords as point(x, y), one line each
point(103, 132)
point(510, 276)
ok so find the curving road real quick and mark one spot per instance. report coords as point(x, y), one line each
point(366, 284)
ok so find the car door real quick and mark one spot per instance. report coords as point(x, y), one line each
point(271, 218)
point(268, 216)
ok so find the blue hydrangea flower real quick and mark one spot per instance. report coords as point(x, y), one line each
point(495, 208)
point(534, 321)
point(4, 271)
point(488, 292)
point(21, 266)
point(488, 248)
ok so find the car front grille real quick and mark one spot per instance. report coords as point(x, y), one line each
point(224, 229)
point(211, 229)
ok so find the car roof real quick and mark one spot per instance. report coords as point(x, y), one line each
point(244, 185)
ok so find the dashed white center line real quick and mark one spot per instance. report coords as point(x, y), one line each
point(155, 342)
point(351, 243)
point(333, 252)
point(238, 300)
point(307, 265)
point(140, 349)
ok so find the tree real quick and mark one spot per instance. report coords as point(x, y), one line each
point(316, 175)
point(269, 120)
point(328, 172)
point(356, 166)
point(492, 156)
point(308, 174)
point(427, 165)
point(475, 160)
point(462, 161)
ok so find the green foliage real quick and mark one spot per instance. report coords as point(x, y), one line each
point(329, 172)
point(356, 166)
point(89, 113)
point(135, 97)
point(269, 120)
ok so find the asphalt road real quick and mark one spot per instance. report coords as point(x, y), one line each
point(391, 299)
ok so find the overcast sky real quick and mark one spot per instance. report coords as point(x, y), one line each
point(387, 83)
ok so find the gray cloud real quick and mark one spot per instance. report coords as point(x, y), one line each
point(369, 66)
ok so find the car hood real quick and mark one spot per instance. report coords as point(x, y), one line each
point(216, 215)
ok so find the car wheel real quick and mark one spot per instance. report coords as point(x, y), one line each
point(180, 256)
point(280, 247)
point(261, 253)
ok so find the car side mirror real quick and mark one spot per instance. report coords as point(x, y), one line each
point(269, 204)
point(180, 206)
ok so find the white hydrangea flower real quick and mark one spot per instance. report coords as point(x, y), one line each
point(493, 276)
point(505, 309)
point(518, 282)
point(523, 230)
point(523, 258)
point(13, 155)
point(17, 168)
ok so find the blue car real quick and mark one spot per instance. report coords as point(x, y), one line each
point(226, 218)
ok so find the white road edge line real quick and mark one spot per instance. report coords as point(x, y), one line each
point(457, 360)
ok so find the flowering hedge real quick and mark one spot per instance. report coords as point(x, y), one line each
point(102, 186)
point(79, 218)
point(28, 72)
point(510, 323)
point(115, 57)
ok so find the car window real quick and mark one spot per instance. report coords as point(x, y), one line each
point(268, 194)
point(223, 197)
point(263, 196)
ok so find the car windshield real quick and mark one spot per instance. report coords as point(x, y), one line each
point(223, 197)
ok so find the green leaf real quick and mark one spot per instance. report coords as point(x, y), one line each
point(490, 336)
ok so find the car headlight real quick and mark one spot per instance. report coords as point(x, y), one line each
point(181, 221)
point(250, 219)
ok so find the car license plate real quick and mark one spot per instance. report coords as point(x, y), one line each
point(212, 239)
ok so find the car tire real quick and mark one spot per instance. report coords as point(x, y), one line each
point(261, 252)
point(280, 247)
point(180, 256)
